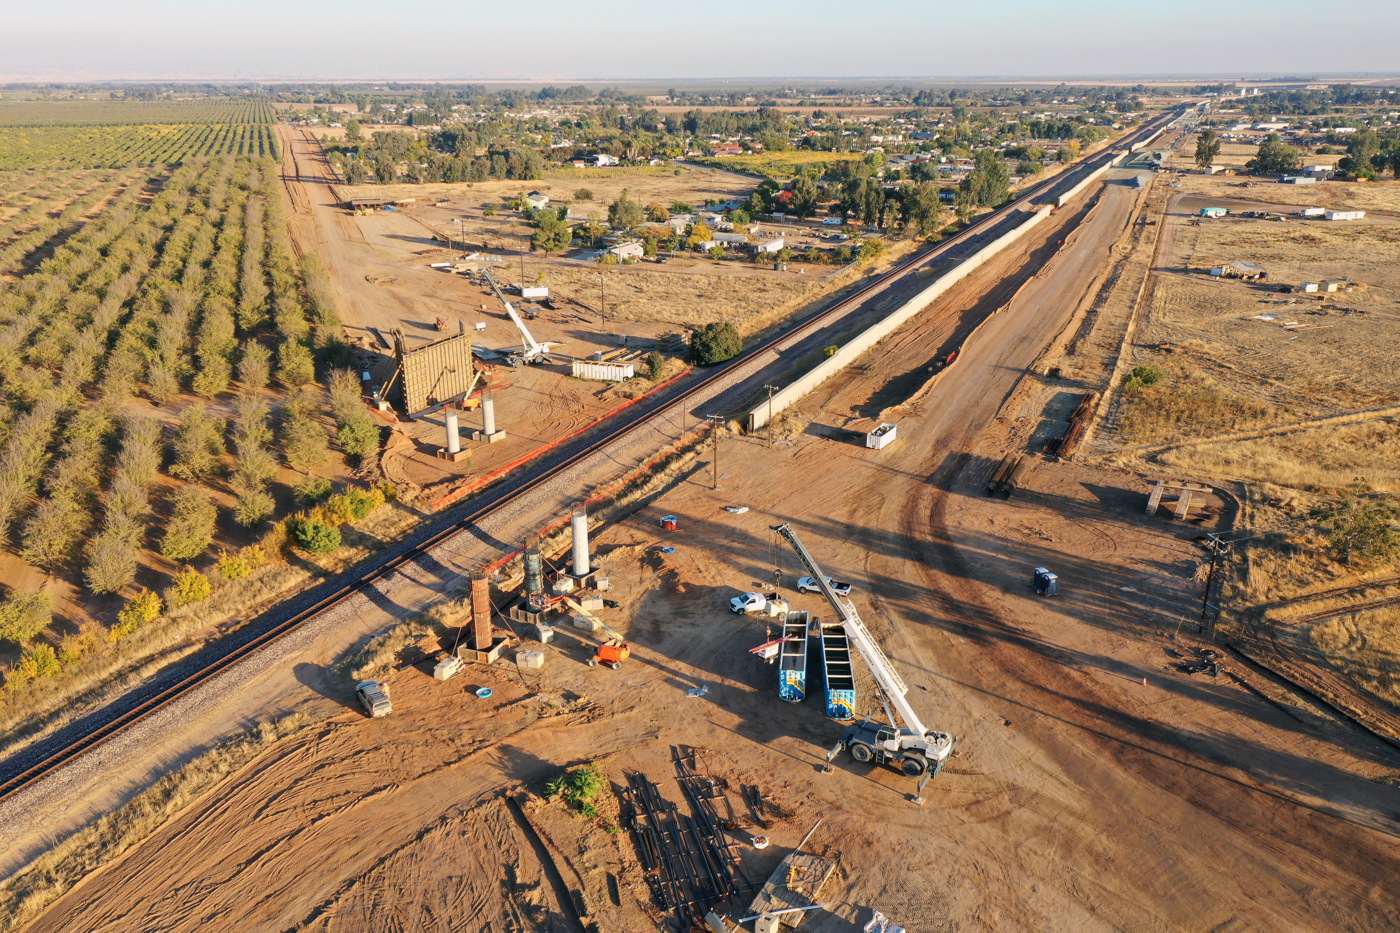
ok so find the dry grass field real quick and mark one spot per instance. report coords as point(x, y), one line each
point(1291, 396)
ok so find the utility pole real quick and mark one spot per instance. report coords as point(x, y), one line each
point(715, 421)
point(1217, 548)
point(522, 272)
point(771, 389)
point(603, 302)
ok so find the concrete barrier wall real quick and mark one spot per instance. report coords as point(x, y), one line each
point(1146, 142)
point(1089, 179)
point(876, 332)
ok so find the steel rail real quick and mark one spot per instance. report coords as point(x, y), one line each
point(128, 718)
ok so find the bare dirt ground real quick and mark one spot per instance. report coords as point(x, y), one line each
point(1082, 798)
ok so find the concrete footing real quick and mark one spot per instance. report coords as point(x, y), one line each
point(491, 438)
point(455, 456)
point(489, 656)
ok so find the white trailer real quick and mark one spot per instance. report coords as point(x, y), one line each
point(881, 436)
point(605, 372)
point(1343, 215)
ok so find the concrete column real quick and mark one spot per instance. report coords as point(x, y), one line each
point(454, 441)
point(481, 613)
point(488, 414)
point(580, 532)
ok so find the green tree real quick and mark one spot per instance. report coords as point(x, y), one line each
point(316, 536)
point(804, 196)
point(655, 365)
point(923, 210)
point(990, 180)
point(1360, 529)
point(352, 132)
point(625, 213)
point(715, 343)
point(583, 194)
point(657, 213)
point(1274, 157)
point(193, 520)
point(1362, 147)
point(1207, 148)
point(551, 234)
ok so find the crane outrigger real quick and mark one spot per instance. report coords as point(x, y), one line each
point(905, 743)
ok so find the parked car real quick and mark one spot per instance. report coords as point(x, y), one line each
point(749, 602)
point(809, 585)
point(374, 697)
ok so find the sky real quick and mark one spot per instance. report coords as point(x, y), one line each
point(550, 40)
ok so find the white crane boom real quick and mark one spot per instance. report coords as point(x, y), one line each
point(892, 686)
point(531, 349)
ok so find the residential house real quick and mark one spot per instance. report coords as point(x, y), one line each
point(536, 200)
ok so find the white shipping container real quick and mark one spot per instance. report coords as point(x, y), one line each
point(606, 372)
point(881, 436)
point(534, 291)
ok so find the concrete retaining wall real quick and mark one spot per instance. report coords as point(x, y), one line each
point(1089, 179)
point(1143, 144)
point(883, 328)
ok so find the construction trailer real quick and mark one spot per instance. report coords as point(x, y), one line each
point(1343, 215)
point(1213, 212)
point(434, 374)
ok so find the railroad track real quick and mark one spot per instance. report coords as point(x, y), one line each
point(93, 733)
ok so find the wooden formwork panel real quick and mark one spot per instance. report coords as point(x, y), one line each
point(435, 372)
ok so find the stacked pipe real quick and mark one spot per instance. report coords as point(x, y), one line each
point(1078, 423)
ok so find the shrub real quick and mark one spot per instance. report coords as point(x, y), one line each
point(1142, 376)
point(85, 641)
point(145, 607)
point(235, 566)
point(189, 586)
point(358, 437)
point(312, 489)
point(583, 194)
point(316, 536)
point(579, 787)
point(24, 615)
point(488, 213)
point(655, 365)
point(715, 343)
point(361, 502)
point(36, 661)
point(1360, 529)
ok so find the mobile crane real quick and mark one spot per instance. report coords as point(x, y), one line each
point(531, 351)
point(905, 743)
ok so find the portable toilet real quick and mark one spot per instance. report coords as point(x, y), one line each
point(1045, 582)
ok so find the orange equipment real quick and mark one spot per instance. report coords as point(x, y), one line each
point(611, 654)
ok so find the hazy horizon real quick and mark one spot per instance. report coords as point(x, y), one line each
point(353, 40)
